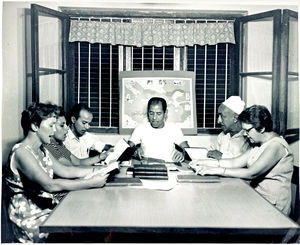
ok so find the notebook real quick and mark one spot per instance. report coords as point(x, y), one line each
point(114, 181)
point(194, 178)
point(196, 153)
point(122, 152)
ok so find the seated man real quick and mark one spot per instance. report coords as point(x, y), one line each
point(157, 137)
point(231, 142)
point(78, 141)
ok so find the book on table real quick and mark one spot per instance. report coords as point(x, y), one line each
point(152, 177)
point(153, 171)
point(150, 167)
point(195, 178)
point(124, 181)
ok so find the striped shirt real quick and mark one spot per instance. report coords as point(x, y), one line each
point(58, 150)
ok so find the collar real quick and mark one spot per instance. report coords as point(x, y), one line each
point(239, 134)
point(53, 141)
point(149, 125)
point(71, 135)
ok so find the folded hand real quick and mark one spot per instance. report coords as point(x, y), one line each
point(215, 154)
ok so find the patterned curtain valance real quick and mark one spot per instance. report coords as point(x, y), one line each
point(147, 34)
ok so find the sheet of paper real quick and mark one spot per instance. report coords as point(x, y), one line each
point(196, 153)
point(160, 185)
point(110, 167)
point(119, 148)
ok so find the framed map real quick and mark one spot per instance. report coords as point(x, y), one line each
point(176, 87)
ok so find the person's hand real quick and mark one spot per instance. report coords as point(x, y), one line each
point(215, 154)
point(98, 180)
point(104, 155)
point(139, 153)
point(206, 170)
point(107, 147)
point(177, 156)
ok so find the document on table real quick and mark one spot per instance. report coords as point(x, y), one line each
point(196, 153)
point(160, 185)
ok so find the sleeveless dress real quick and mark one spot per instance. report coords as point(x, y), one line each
point(29, 205)
point(275, 184)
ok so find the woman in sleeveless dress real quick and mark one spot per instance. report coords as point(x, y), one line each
point(29, 175)
point(268, 165)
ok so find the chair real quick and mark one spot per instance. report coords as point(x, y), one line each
point(291, 136)
point(7, 235)
point(294, 215)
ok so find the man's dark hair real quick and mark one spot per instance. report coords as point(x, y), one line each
point(155, 101)
point(75, 111)
point(259, 116)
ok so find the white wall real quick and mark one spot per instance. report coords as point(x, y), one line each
point(13, 52)
point(13, 83)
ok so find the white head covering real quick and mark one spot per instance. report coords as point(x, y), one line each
point(235, 104)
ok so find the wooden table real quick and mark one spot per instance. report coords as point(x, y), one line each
point(228, 207)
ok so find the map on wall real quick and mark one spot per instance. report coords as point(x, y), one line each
point(176, 87)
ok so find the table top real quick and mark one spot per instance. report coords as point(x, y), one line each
point(230, 205)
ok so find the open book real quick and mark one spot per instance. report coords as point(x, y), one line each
point(121, 150)
point(196, 153)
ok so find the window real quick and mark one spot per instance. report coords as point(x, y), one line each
point(96, 81)
point(96, 68)
point(238, 67)
point(268, 62)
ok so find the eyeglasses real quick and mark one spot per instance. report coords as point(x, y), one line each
point(248, 130)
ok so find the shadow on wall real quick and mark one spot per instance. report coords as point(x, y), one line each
point(6, 148)
point(6, 225)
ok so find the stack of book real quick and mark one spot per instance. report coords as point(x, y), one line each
point(153, 171)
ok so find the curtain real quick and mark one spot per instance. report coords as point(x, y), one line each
point(151, 34)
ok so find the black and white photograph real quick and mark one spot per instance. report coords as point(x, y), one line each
point(150, 121)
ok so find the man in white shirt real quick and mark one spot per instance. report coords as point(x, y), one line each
point(78, 140)
point(231, 142)
point(157, 137)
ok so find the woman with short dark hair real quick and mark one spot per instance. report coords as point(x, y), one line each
point(269, 165)
point(30, 172)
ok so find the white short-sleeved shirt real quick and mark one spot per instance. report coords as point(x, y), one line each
point(232, 146)
point(157, 142)
point(81, 147)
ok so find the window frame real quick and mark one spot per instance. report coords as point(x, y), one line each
point(279, 70)
point(280, 49)
point(37, 71)
point(117, 13)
